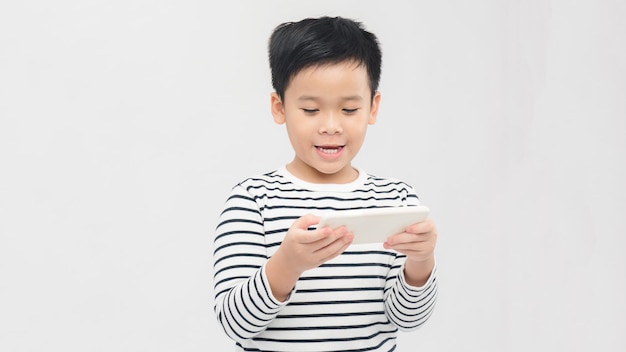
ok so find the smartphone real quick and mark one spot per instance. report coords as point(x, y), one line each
point(374, 225)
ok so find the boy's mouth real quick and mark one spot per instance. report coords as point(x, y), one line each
point(328, 149)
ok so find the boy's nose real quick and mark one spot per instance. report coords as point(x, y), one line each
point(331, 124)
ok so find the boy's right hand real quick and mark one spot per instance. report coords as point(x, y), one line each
point(303, 249)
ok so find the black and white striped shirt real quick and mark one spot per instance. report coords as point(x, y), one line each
point(355, 302)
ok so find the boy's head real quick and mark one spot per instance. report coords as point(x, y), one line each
point(312, 42)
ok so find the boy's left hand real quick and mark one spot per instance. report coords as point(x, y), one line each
point(417, 242)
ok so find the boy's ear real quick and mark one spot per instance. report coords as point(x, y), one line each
point(374, 109)
point(278, 109)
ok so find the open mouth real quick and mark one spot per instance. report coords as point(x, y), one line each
point(330, 149)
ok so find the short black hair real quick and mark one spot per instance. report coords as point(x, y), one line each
point(294, 46)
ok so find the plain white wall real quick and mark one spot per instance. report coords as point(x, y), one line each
point(123, 125)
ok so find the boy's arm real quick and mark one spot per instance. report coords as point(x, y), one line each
point(417, 273)
point(244, 304)
point(303, 249)
point(250, 289)
point(418, 244)
point(412, 289)
point(408, 306)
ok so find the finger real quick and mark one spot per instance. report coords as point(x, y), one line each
point(421, 227)
point(300, 228)
point(330, 236)
point(305, 221)
point(412, 250)
point(336, 247)
point(407, 237)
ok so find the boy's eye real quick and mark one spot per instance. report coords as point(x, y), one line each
point(350, 111)
point(310, 111)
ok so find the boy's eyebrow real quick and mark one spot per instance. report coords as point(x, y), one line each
point(346, 98)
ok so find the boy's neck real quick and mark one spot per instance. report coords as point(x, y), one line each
point(347, 175)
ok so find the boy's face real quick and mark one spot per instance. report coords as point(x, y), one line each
point(326, 110)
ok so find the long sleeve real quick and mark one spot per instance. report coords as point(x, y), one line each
point(408, 307)
point(244, 304)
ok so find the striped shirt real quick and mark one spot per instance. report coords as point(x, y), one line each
point(355, 302)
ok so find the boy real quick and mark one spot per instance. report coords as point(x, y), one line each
point(281, 283)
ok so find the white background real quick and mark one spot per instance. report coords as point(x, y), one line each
point(123, 125)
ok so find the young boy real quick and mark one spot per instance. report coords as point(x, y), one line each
point(281, 283)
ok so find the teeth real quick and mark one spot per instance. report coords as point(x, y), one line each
point(329, 150)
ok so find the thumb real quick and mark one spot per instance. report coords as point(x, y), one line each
point(305, 221)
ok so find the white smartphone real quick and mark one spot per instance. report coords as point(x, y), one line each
point(376, 224)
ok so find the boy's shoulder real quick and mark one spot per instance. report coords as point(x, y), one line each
point(387, 181)
point(269, 177)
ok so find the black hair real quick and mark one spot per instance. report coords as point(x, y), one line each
point(294, 46)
